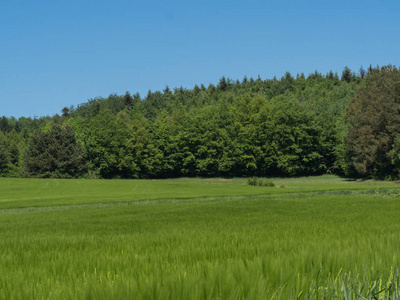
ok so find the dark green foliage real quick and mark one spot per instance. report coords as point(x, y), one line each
point(141, 151)
point(347, 75)
point(4, 157)
point(128, 100)
point(114, 102)
point(373, 115)
point(54, 153)
point(5, 125)
point(65, 112)
point(223, 84)
point(104, 143)
point(283, 127)
point(256, 181)
point(15, 147)
point(11, 146)
point(362, 72)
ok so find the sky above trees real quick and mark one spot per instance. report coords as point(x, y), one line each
point(60, 53)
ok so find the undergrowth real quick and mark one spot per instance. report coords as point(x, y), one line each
point(256, 181)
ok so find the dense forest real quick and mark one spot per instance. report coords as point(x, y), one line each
point(292, 126)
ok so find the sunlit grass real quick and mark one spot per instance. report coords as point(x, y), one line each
point(336, 244)
point(19, 192)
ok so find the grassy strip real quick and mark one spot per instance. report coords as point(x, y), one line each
point(373, 192)
point(286, 247)
point(22, 193)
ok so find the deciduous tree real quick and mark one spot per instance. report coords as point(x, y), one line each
point(373, 115)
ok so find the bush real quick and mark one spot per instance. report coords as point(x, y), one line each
point(260, 182)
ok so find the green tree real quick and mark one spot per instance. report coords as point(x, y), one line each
point(223, 84)
point(54, 153)
point(128, 100)
point(4, 158)
point(292, 137)
point(104, 143)
point(66, 112)
point(140, 145)
point(248, 119)
point(15, 146)
point(347, 75)
point(373, 116)
point(5, 124)
point(164, 138)
point(362, 72)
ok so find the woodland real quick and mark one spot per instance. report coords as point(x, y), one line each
point(293, 126)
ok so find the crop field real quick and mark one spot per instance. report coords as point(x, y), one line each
point(191, 238)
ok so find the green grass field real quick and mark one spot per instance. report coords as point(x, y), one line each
point(306, 238)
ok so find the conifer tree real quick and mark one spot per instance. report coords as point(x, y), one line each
point(54, 153)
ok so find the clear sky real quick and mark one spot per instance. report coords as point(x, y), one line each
point(57, 53)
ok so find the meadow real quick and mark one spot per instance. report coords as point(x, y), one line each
point(191, 238)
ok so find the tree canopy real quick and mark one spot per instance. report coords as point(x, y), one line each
point(374, 124)
point(54, 153)
point(291, 126)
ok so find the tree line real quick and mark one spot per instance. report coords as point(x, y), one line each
point(292, 126)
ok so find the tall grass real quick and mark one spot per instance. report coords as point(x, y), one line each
point(18, 193)
point(326, 245)
point(28, 193)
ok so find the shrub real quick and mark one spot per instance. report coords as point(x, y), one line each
point(260, 182)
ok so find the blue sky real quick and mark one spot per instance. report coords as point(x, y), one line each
point(61, 53)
